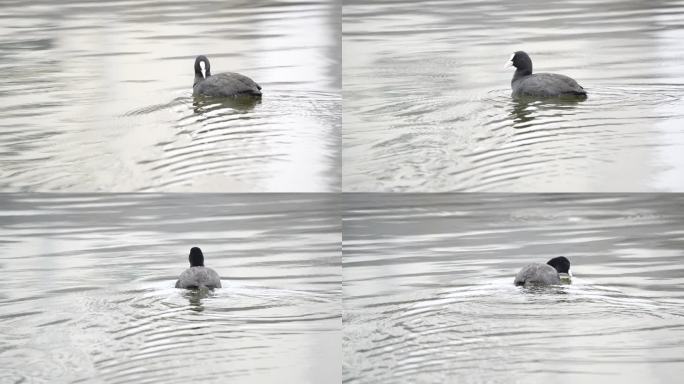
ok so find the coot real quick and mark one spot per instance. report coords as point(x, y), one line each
point(525, 83)
point(198, 276)
point(221, 85)
point(543, 274)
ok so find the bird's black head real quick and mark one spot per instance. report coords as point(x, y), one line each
point(560, 263)
point(196, 257)
point(522, 62)
point(198, 66)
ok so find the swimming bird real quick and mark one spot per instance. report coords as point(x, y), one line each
point(544, 274)
point(198, 276)
point(223, 84)
point(525, 83)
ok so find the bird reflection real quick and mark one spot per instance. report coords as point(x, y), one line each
point(525, 110)
point(195, 297)
point(204, 104)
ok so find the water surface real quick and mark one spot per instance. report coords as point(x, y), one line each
point(429, 295)
point(428, 107)
point(97, 96)
point(87, 289)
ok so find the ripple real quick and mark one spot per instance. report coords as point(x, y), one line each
point(234, 137)
point(422, 104)
point(100, 115)
point(95, 300)
point(429, 291)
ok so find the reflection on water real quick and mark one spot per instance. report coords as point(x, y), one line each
point(97, 96)
point(525, 110)
point(428, 106)
point(206, 104)
point(429, 295)
point(195, 297)
point(86, 289)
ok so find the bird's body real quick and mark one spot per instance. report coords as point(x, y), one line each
point(199, 277)
point(546, 85)
point(537, 274)
point(541, 85)
point(227, 84)
point(543, 274)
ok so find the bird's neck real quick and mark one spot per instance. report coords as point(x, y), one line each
point(198, 79)
point(520, 73)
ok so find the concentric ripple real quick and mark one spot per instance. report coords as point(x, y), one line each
point(98, 97)
point(87, 289)
point(428, 107)
point(429, 295)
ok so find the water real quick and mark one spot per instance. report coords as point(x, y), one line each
point(86, 289)
point(427, 103)
point(429, 295)
point(97, 96)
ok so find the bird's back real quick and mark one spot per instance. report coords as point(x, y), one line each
point(199, 277)
point(227, 84)
point(537, 274)
point(547, 85)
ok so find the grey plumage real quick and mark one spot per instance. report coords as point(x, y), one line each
point(546, 85)
point(199, 277)
point(537, 274)
point(525, 83)
point(223, 84)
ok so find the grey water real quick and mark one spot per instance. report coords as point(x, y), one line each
point(87, 288)
point(97, 96)
point(428, 108)
point(429, 295)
